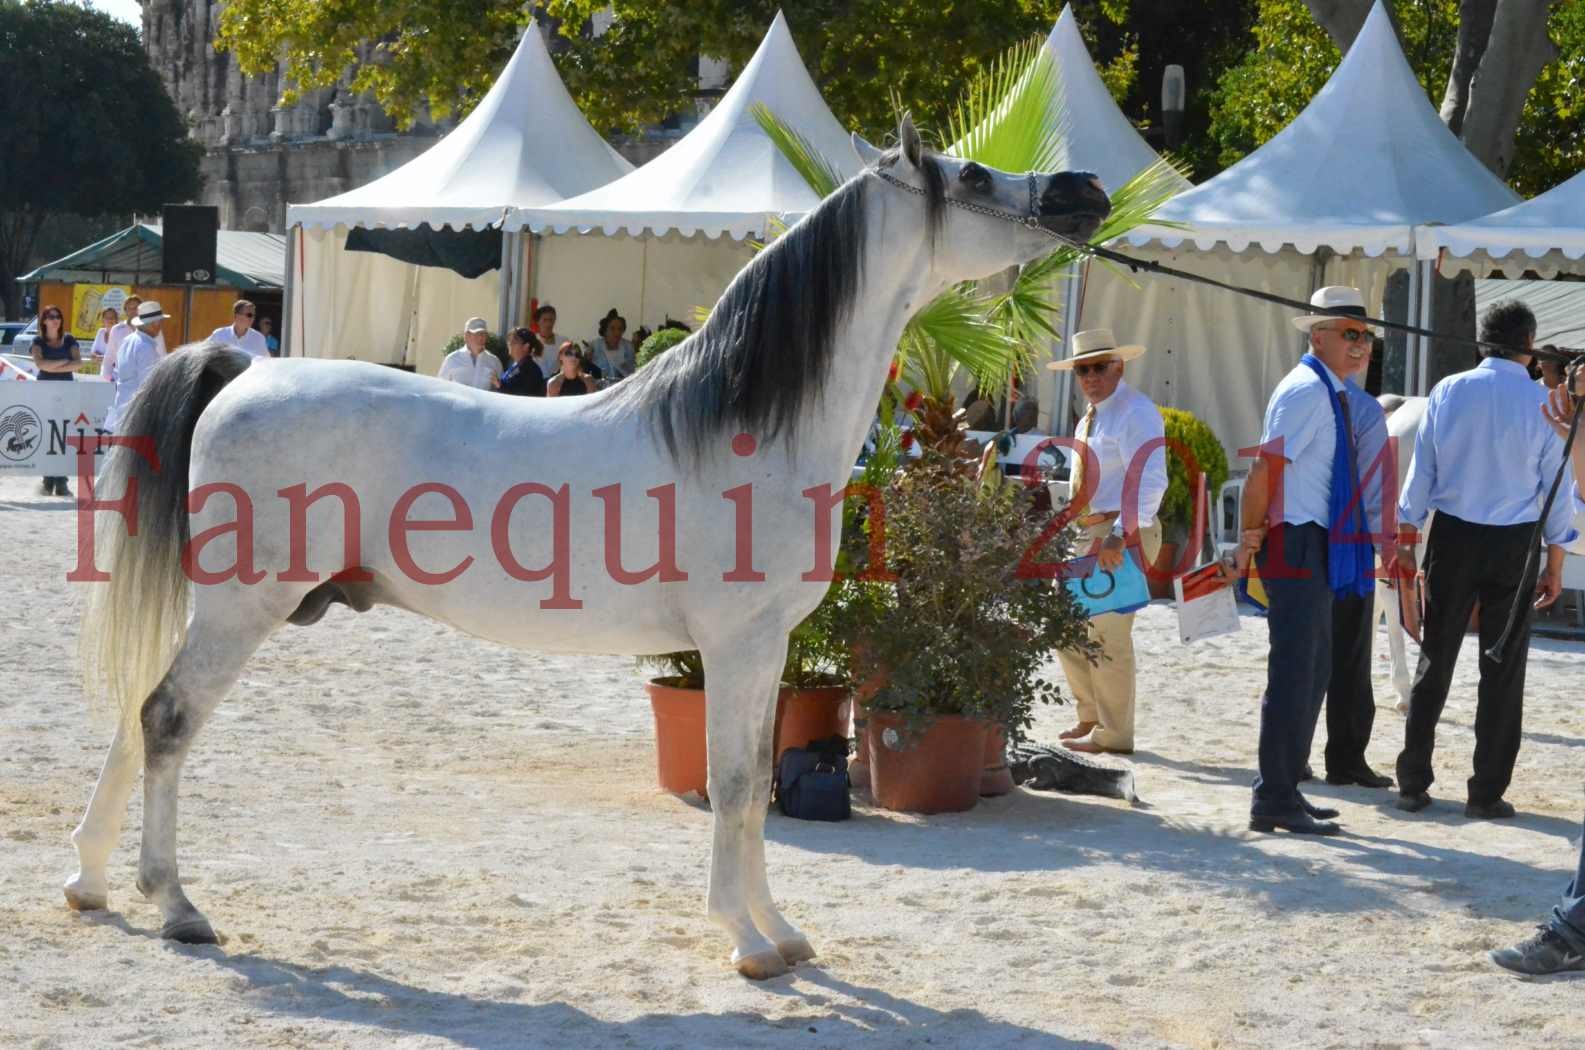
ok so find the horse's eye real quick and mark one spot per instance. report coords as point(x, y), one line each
point(975, 178)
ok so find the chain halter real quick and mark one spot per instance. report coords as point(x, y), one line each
point(1030, 220)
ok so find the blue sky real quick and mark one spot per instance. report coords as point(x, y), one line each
point(126, 10)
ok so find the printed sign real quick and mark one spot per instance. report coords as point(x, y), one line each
point(89, 300)
point(37, 418)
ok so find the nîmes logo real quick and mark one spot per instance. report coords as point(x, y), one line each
point(20, 430)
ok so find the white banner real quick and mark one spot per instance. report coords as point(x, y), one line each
point(37, 418)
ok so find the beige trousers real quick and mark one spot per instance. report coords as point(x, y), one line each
point(1104, 692)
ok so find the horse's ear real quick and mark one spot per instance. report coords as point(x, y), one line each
point(908, 140)
point(869, 156)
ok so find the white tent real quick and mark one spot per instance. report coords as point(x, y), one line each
point(525, 143)
point(1332, 199)
point(1097, 137)
point(1546, 234)
point(672, 233)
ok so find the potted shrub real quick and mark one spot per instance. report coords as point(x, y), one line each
point(677, 700)
point(964, 631)
point(658, 344)
point(1192, 451)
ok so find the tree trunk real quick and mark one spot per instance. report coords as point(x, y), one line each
point(1453, 312)
point(1474, 30)
point(1518, 50)
point(1342, 19)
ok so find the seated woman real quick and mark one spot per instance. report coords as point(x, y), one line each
point(523, 376)
point(611, 350)
point(571, 379)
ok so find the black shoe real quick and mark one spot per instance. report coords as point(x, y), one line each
point(1306, 773)
point(48, 488)
point(62, 490)
point(1501, 809)
point(1545, 953)
point(1299, 823)
point(1413, 803)
point(1361, 774)
point(1318, 812)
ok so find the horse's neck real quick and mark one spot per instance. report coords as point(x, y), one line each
point(896, 284)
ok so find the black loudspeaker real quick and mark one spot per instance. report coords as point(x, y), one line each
point(189, 235)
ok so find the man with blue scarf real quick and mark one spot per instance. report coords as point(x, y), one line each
point(1305, 528)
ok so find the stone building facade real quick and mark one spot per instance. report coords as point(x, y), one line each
point(259, 155)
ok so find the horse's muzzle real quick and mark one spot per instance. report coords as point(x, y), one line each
point(1074, 205)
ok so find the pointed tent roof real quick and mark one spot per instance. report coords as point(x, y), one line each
point(1095, 134)
point(1367, 160)
point(489, 163)
point(724, 176)
point(1552, 222)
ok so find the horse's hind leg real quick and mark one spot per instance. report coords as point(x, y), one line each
point(217, 646)
point(740, 723)
point(97, 835)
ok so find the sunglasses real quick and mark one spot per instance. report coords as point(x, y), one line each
point(1351, 335)
point(1089, 369)
point(247, 313)
point(52, 317)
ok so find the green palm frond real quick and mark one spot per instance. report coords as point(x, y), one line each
point(817, 170)
point(955, 330)
point(1004, 119)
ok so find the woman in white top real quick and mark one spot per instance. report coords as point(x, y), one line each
point(107, 320)
point(612, 352)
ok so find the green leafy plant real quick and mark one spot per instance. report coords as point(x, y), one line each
point(1192, 450)
point(492, 342)
point(658, 344)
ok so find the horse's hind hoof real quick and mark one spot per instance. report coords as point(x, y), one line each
point(763, 966)
point(795, 951)
point(84, 898)
point(190, 931)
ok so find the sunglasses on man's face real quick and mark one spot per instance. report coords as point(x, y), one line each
point(1352, 335)
point(247, 313)
point(1092, 369)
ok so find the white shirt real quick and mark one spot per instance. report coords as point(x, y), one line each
point(1123, 424)
point(1299, 415)
point(137, 354)
point(101, 344)
point(251, 340)
point(460, 366)
point(113, 341)
point(1486, 454)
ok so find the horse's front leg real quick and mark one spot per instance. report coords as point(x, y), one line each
point(742, 676)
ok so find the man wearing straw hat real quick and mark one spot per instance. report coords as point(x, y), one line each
point(1312, 546)
point(1119, 512)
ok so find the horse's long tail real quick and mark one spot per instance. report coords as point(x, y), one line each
point(134, 623)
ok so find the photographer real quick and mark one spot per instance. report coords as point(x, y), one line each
point(1559, 943)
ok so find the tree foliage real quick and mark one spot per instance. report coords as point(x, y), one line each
point(86, 127)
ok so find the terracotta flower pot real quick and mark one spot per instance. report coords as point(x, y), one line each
point(1159, 578)
point(937, 771)
point(681, 759)
point(803, 715)
point(995, 778)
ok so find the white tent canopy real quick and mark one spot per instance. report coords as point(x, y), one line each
point(1546, 233)
point(1096, 136)
point(674, 231)
point(525, 143)
point(1367, 160)
point(723, 177)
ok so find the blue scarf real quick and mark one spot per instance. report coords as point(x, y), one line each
point(1350, 555)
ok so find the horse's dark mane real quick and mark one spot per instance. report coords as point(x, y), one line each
point(767, 347)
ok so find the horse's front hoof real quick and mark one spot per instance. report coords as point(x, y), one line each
point(795, 951)
point(762, 966)
point(83, 897)
point(190, 931)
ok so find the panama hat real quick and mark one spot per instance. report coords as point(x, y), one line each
point(1097, 342)
point(1343, 302)
point(149, 310)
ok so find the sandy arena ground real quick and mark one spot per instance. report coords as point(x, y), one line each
point(409, 838)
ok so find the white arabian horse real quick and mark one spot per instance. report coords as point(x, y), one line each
point(689, 507)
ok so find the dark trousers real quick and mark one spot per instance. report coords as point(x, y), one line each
point(1292, 566)
point(1350, 698)
point(1466, 562)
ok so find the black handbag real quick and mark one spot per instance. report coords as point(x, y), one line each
point(812, 782)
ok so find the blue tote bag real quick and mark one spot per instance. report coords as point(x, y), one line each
point(1100, 591)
